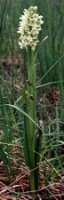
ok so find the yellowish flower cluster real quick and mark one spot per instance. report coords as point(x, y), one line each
point(29, 28)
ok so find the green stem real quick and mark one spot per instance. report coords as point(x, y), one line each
point(30, 96)
point(32, 185)
point(30, 109)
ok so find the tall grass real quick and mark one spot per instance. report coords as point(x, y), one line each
point(52, 49)
point(50, 63)
point(11, 127)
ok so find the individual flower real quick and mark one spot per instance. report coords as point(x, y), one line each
point(29, 28)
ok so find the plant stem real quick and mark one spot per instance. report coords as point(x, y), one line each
point(30, 96)
point(32, 184)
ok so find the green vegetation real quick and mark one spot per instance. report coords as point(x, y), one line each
point(50, 74)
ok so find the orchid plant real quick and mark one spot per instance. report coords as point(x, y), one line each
point(29, 28)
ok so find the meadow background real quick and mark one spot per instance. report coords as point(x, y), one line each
point(50, 67)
